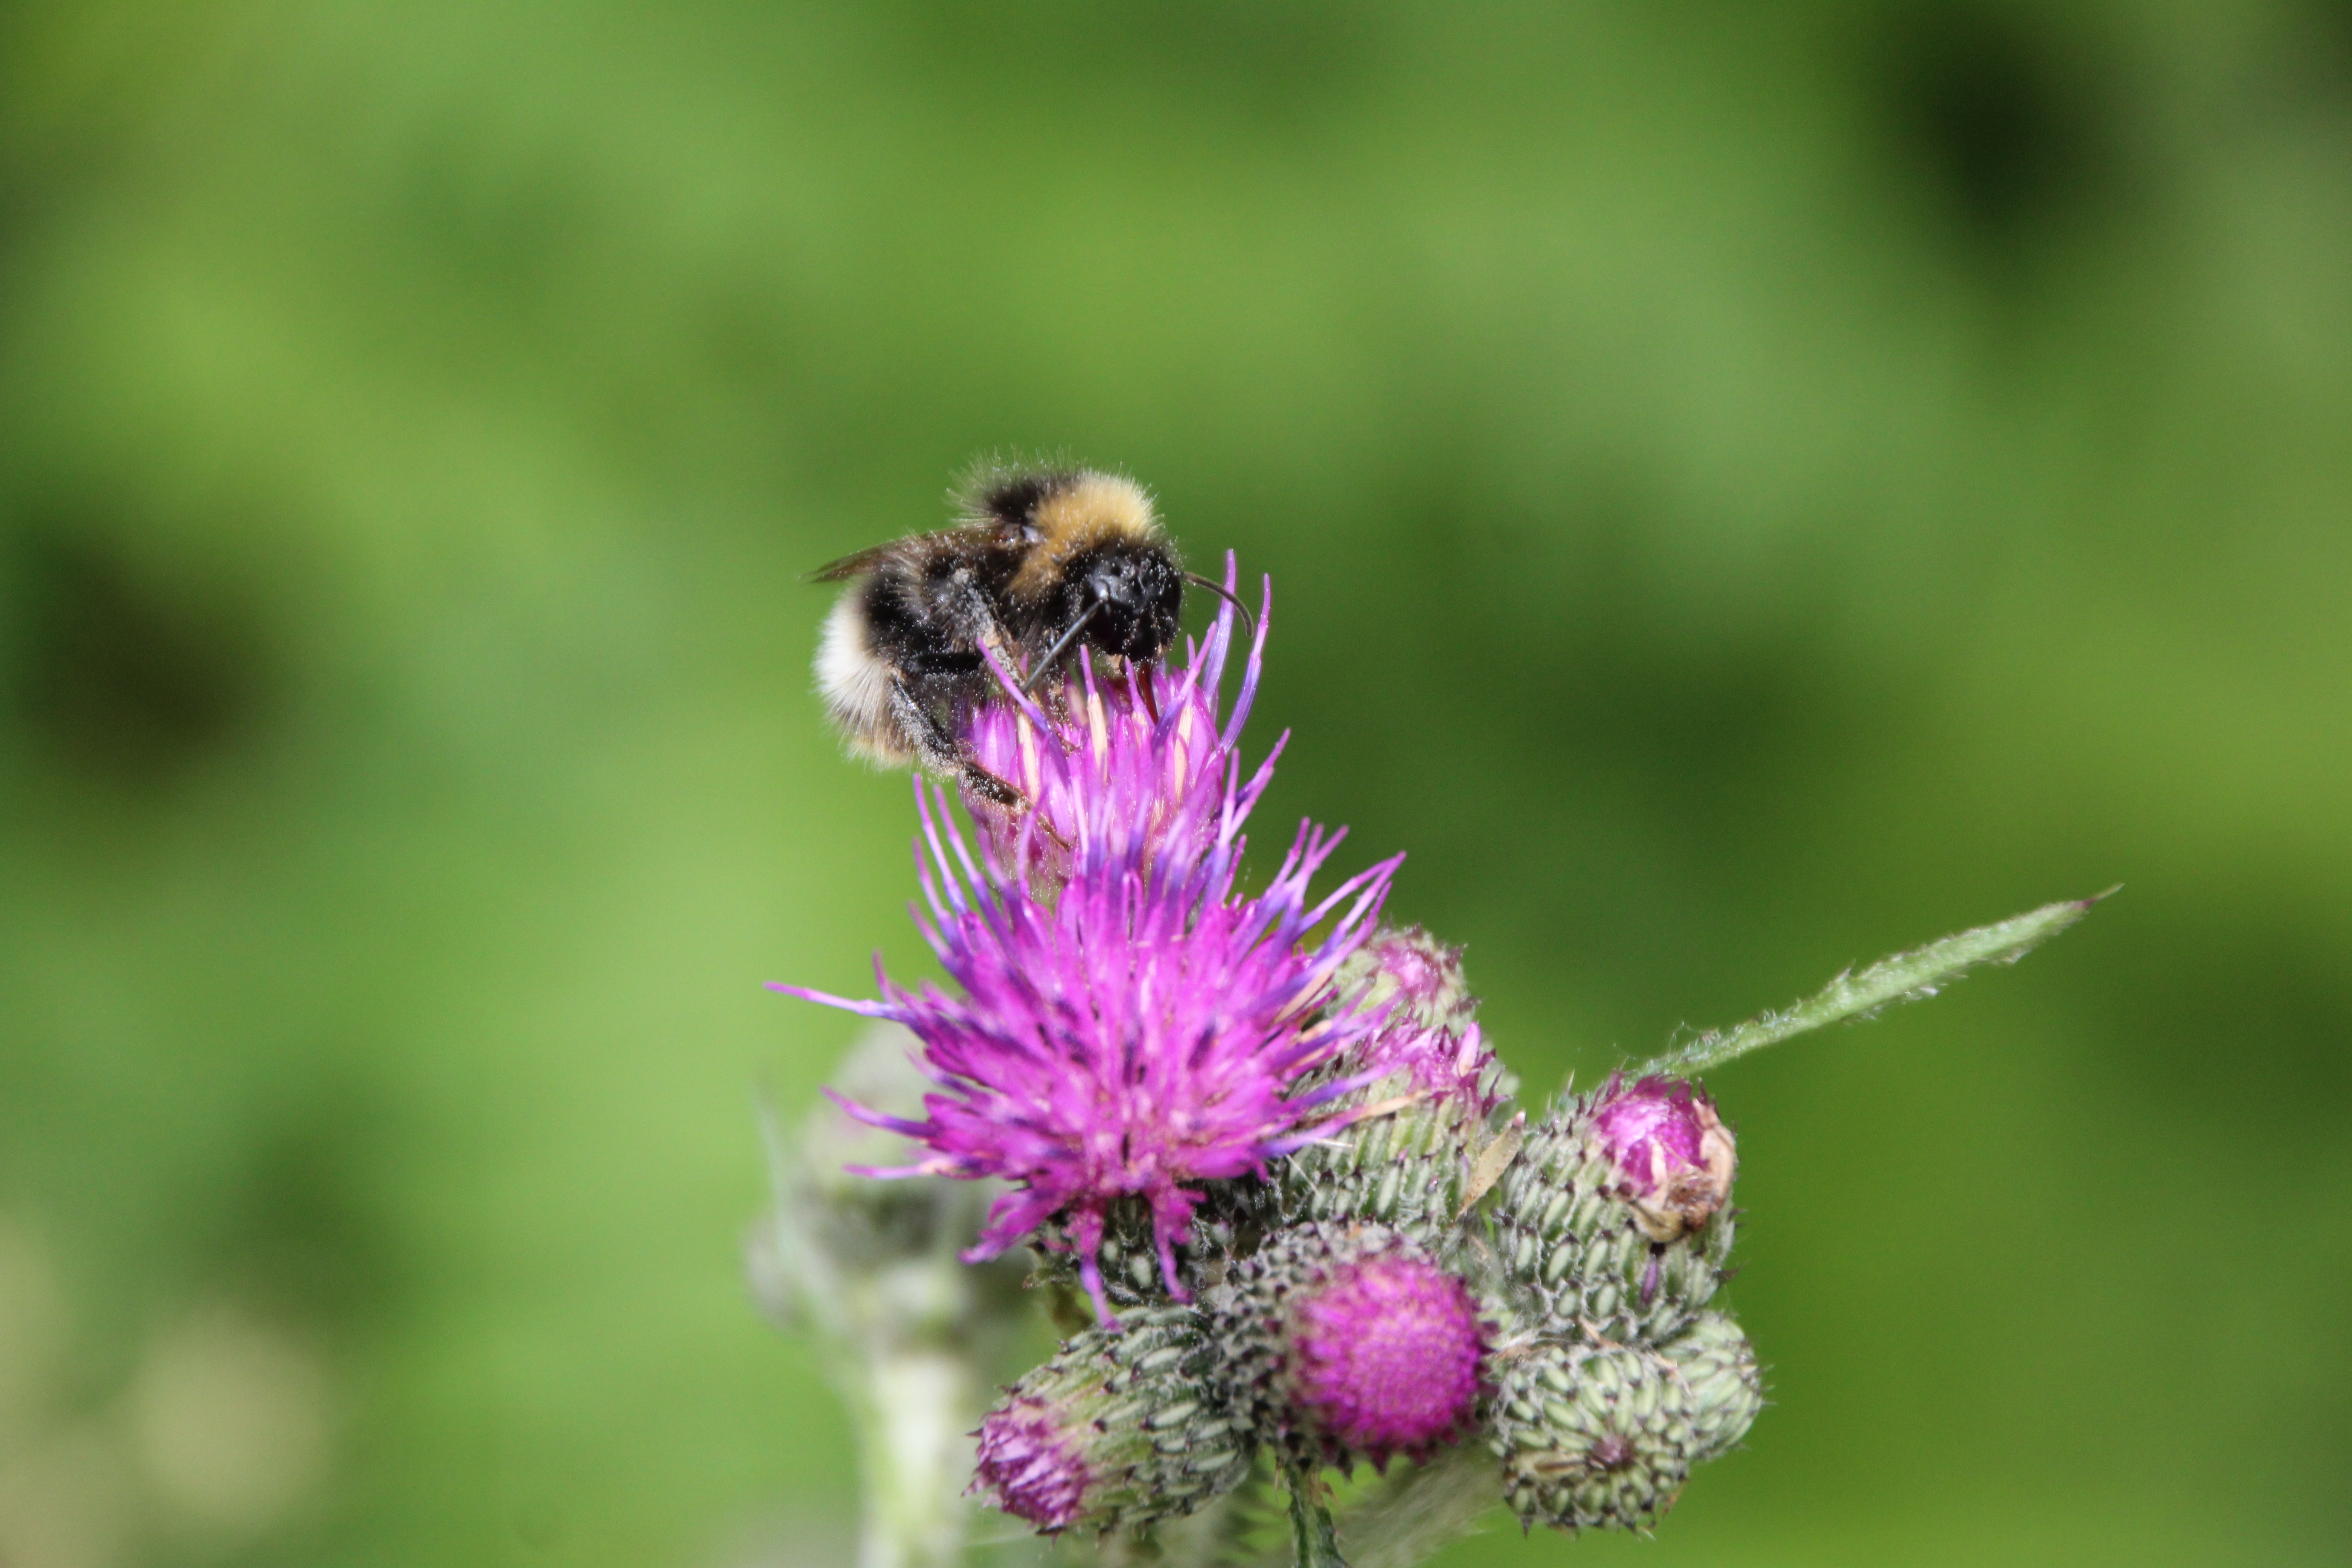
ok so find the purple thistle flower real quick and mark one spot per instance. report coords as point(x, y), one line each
point(1673, 1155)
point(1125, 1025)
point(1384, 1356)
point(1028, 1467)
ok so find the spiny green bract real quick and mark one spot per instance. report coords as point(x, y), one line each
point(1409, 1167)
point(1726, 1389)
point(1435, 1099)
point(1231, 1218)
point(1577, 1251)
point(1599, 1436)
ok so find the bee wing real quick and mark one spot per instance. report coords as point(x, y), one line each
point(866, 562)
point(857, 565)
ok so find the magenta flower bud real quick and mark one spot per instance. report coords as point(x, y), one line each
point(1028, 1468)
point(1384, 1357)
point(1119, 1430)
point(1673, 1155)
point(1349, 1341)
point(1616, 1215)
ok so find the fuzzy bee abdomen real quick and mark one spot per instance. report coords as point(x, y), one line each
point(855, 681)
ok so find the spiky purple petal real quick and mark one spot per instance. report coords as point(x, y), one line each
point(1442, 1065)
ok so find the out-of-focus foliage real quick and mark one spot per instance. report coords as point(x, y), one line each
point(1749, 488)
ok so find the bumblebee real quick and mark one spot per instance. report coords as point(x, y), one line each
point(1040, 563)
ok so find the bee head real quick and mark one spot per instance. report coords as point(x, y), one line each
point(1135, 592)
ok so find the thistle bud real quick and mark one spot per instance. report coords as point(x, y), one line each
point(1592, 1438)
point(1603, 1436)
point(1615, 1216)
point(1118, 1430)
point(1349, 1340)
point(1414, 974)
point(1673, 1155)
point(1425, 1097)
point(1720, 1373)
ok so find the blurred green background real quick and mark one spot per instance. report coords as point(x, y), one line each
point(1747, 487)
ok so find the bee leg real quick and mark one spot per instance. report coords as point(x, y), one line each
point(978, 781)
point(944, 753)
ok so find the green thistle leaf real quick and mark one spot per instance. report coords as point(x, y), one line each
point(1911, 976)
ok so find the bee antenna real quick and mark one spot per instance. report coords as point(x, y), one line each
point(1219, 590)
point(1061, 646)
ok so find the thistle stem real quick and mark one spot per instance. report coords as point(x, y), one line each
point(1413, 1518)
point(1314, 1542)
point(913, 1404)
